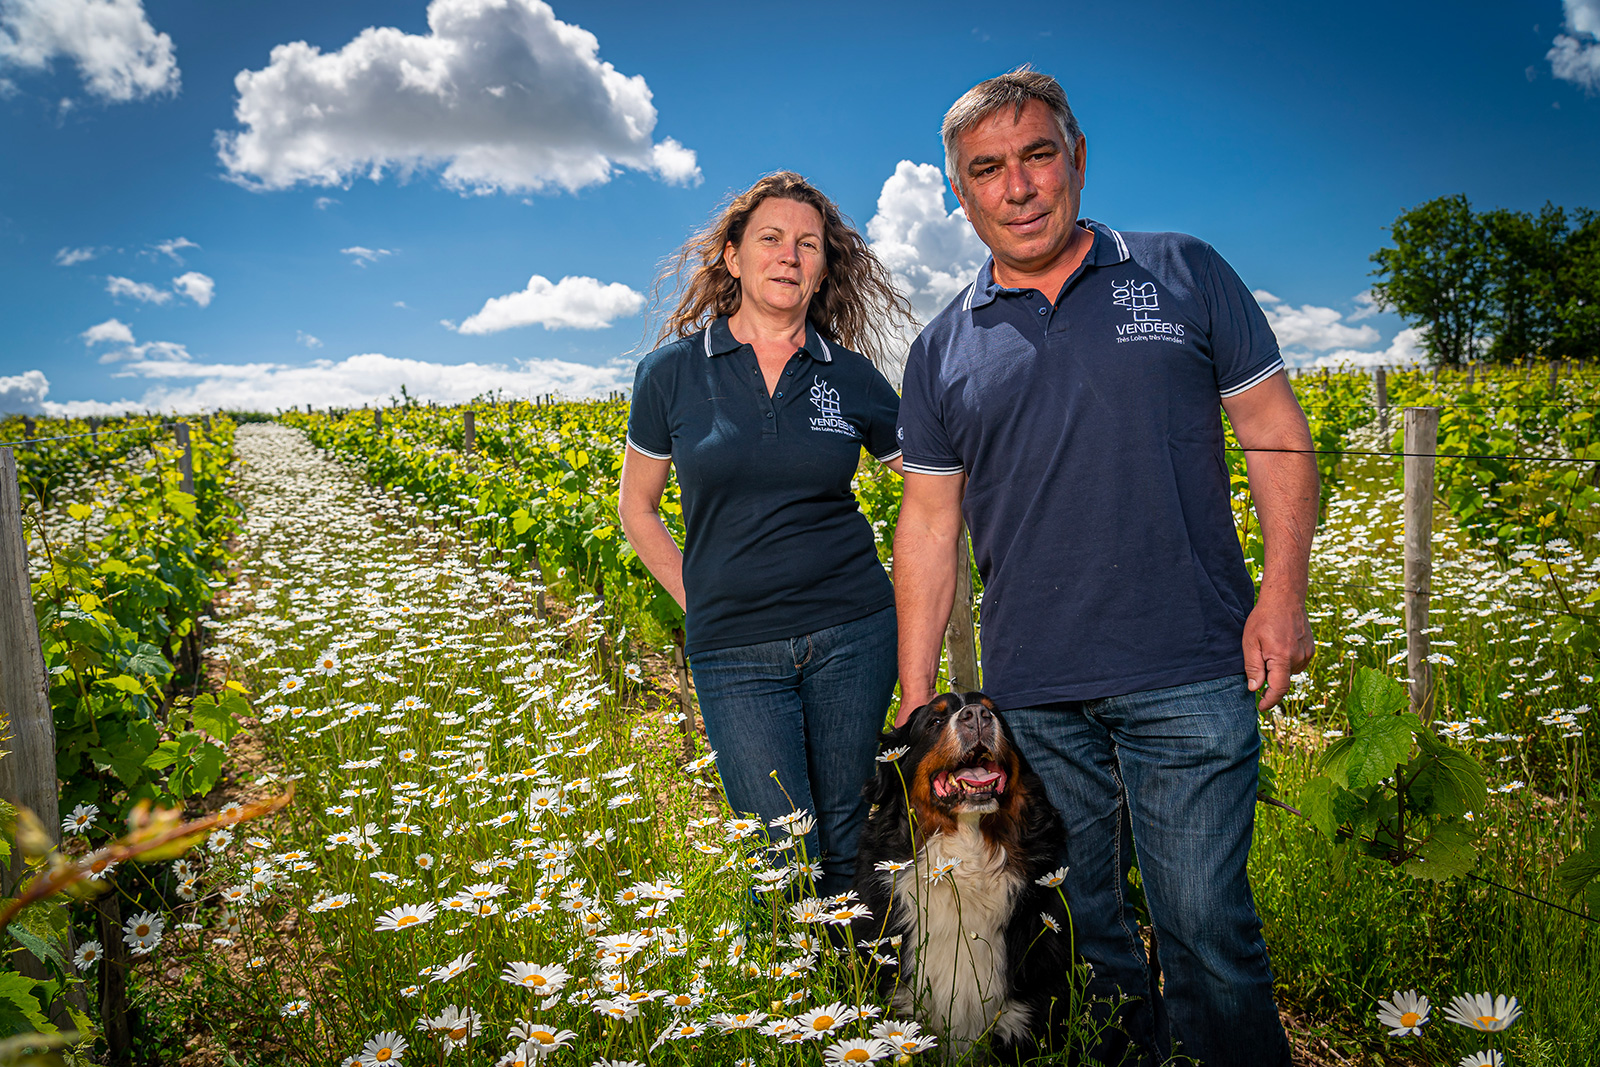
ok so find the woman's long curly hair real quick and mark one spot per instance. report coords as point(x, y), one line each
point(856, 306)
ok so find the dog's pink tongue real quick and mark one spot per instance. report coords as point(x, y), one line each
point(979, 776)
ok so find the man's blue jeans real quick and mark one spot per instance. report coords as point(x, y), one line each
point(809, 708)
point(1168, 775)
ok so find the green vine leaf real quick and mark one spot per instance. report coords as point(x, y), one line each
point(1449, 852)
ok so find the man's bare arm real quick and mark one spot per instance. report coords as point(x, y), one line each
point(1283, 485)
point(924, 580)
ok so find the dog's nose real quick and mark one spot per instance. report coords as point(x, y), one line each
point(972, 723)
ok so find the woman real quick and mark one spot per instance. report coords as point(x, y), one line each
point(764, 408)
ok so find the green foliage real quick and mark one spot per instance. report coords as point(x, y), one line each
point(1395, 790)
point(127, 572)
point(1439, 274)
point(1485, 424)
point(1579, 874)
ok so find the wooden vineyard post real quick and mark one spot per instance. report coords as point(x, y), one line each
point(28, 773)
point(1555, 373)
point(186, 458)
point(1422, 443)
point(377, 419)
point(1472, 374)
point(960, 637)
point(1380, 384)
point(469, 430)
point(113, 970)
point(685, 705)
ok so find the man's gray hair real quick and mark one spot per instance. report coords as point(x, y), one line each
point(1012, 89)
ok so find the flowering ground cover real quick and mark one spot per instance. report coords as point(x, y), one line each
point(501, 852)
point(493, 851)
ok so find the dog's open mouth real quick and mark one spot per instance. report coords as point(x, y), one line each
point(981, 780)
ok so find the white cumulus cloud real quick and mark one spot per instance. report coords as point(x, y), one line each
point(576, 303)
point(116, 332)
point(119, 54)
point(141, 291)
point(1366, 307)
point(1575, 55)
point(68, 257)
point(500, 94)
point(1311, 327)
point(933, 253)
point(109, 332)
point(172, 248)
point(362, 256)
point(1404, 350)
point(196, 286)
point(23, 394)
point(370, 378)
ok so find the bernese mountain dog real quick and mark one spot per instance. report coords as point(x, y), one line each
point(955, 864)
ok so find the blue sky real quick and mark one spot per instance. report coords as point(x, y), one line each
point(1288, 136)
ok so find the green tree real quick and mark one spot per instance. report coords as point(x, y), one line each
point(1440, 275)
point(1526, 253)
point(1577, 291)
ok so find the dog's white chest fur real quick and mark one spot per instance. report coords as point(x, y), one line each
point(953, 952)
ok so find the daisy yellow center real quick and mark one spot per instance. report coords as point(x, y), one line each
point(383, 1055)
point(544, 1037)
point(845, 914)
point(856, 1055)
point(534, 979)
point(1486, 1021)
point(458, 1033)
point(142, 930)
point(822, 1022)
point(406, 920)
point(1409, 1018)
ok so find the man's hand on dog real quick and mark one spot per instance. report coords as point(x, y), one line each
point(1277, 643)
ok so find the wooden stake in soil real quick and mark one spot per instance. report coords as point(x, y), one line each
point(685, 705)
point(960, 637)
point(469, 430)
point(1422, 444)
point(1380, 385)
point(28, 773)
point(113, 978)
point(186, 460)
point(377, 419)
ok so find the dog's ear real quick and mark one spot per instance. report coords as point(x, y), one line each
point(886, 785)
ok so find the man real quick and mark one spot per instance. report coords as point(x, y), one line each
point(1066, 403)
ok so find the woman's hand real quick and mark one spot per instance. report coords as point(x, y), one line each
point(639, 508)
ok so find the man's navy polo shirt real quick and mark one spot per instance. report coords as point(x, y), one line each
point(1091, 436)
point(774, 543)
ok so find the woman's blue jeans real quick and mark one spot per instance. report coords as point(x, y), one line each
point(1168, 775)
point(810, 709)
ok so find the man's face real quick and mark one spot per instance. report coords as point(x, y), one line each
point(1021, 193)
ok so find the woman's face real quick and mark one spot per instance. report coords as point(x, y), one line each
point(780, 261)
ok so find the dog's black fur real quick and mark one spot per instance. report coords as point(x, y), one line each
point(914, 798)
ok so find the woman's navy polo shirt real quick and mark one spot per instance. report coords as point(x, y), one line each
point(774, 543)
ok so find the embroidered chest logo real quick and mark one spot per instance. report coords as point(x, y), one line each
point(1143, 303)
point(828, 420)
